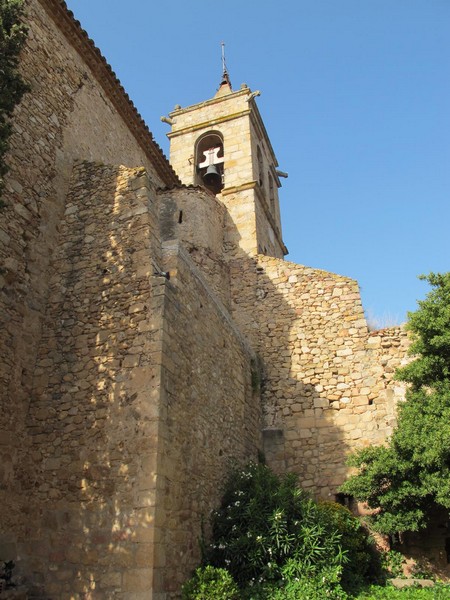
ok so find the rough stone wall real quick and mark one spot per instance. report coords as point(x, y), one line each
point(141, 396)
point(213, 415)
point(195, 217)
point(328, 381)
point(68, 114)
point(89, 482)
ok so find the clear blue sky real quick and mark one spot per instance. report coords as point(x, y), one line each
point(355, 95)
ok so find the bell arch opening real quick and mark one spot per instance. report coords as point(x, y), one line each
point(209, 161)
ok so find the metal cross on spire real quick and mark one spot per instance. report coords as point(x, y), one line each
point(225, 76)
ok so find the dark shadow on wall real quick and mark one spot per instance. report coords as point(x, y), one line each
point(327, 381)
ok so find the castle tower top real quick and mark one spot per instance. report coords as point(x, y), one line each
point(222, 144)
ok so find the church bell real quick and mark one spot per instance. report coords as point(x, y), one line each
point(212, 176)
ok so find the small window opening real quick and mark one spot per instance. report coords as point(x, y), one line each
point(180, 217)
point(271, 194)
point(260, 167)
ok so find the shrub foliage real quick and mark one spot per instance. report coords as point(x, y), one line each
point(276, 542)
point(209, 583)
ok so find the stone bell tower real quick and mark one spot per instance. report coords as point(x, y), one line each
point(222, 144)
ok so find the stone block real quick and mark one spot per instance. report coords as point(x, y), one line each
point(137, 580)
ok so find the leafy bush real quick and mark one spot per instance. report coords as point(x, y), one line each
point(265, 520)
point(317, 586)
point(438, 592)
point(274, 540)
point(392, 563)
point(363, 562)
point(271, 542)
point(209, 583)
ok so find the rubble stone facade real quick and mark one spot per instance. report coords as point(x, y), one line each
point(152, 331)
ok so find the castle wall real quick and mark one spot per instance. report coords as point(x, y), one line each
point(71, 112)
point(89, 481)
point(141, 396)
point(328, 381)
point(195, 217)
point(213, 416)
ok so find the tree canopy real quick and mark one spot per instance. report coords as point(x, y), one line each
point(409, 476)
point(12, 87)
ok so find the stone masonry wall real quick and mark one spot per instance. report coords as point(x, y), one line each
point(141, 398)
point(213, 414)
point(328, 380)
point(88, 482)
point(68, 114)
point(195, 217)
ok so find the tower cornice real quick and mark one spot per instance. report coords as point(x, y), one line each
point(207, 124)
point(216, 100)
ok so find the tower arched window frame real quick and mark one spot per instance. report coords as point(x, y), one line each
point(209, 153)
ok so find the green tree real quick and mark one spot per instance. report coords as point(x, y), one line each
point(406, 479)
point(12, 87)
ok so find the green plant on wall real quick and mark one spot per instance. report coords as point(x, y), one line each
point(13, 34)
